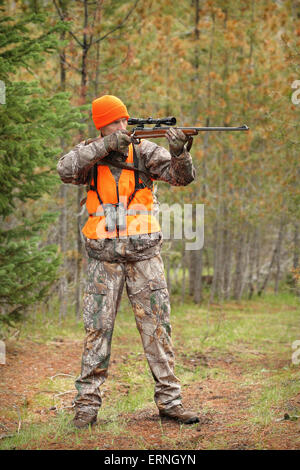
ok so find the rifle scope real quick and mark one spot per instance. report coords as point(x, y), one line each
point(168, 121)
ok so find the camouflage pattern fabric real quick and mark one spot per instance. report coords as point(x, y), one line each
point(134, 248)
point(74, 167)
point(148, 294)
point(177, 171)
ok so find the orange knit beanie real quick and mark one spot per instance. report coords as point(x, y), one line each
point(108, 109)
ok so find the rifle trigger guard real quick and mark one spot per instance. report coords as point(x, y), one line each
point(189, 143)
point(134, 139)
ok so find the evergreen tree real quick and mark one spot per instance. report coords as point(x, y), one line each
point(31, 123)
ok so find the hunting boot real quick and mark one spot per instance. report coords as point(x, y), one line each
point(84, 419)
point(180, 414)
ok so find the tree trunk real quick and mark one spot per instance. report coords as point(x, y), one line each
point(296, 245)
point(218, 241)
point(245, 263)
point(194, 268)
point(79, 257)
point(192, 272)
point(169, 282)
point(85, 49)
point(250, 285)
point(273, 259)
point(226, 256)
point(227, 268)
point(216, 278)
point(63, 283)
point(238, 267)
point(278, 257)
point(257, 256)
point(198, 281)
point(296, 257)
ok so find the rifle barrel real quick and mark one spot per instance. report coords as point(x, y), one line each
point(240, 128)
point(162, 130)
point(154, 132)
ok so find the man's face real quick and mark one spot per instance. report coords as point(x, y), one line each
point(120, 124)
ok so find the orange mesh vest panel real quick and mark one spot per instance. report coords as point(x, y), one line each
point(142, 203)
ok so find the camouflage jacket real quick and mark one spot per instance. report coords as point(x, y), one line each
point(75, 167)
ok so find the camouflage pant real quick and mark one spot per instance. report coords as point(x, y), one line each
point(148, 294)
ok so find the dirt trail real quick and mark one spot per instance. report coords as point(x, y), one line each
point(222, 403)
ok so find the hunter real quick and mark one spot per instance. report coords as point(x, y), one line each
point(123, 241)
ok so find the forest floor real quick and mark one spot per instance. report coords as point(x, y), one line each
point(234, 361)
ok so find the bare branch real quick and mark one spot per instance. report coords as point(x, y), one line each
point(98, 8)
point(19, 416)
point(63, 19)
point(60, 374)
point(64, 393)
point(119, 26)
point(64, 60)
point(112, 67)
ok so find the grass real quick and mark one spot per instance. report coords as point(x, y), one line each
point(244, 325)
point(276, 388)
point(255, 337)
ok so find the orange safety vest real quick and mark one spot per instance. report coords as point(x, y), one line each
point(137, 200)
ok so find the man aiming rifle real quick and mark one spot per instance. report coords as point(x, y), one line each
point(123, 245)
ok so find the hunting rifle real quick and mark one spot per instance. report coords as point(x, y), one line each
point(162, 125)
point(142, 132)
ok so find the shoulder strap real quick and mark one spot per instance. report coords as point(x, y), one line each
point(143, 173)
point(137, 184)
point(94, 186)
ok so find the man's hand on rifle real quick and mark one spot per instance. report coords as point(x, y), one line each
point(117, 141)
point(177, 140)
